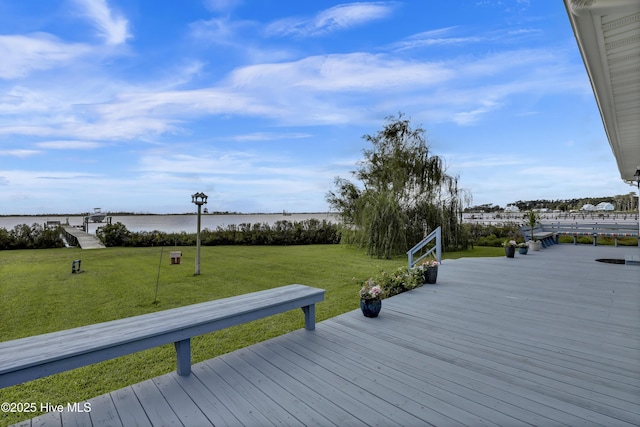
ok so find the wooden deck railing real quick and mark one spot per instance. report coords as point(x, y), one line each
point(437, 248)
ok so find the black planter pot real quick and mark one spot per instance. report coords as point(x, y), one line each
point(371, 307)
point(431, 275)
point(510, 251)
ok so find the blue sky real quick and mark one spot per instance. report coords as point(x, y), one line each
point(134, 105)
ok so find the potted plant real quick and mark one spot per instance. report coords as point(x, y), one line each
point(371, 296)
point(523, 248)
point(532, 219)
point(430, 270)
point(510, 248)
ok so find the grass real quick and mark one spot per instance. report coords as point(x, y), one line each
point(40, 295)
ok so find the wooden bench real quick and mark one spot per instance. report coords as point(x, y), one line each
point(547, 237)
point(594, 230)
point(26, 359)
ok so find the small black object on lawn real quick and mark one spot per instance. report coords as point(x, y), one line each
point(75, 266)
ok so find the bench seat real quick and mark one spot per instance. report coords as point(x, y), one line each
point(26, 359)
point(547, 238)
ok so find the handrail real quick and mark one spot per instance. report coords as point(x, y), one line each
point(435, 234)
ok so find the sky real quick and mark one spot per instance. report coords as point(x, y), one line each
point(135, 105)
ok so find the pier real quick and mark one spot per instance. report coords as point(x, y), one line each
point(78, 237)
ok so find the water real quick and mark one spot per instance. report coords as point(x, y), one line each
point(188, 223)
point(168, 223)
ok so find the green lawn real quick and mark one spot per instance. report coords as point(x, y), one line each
point(40, 295)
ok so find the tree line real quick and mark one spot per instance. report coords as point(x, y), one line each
point(307, 232)
point(34, 236)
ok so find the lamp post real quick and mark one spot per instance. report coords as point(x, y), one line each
point(199, 199)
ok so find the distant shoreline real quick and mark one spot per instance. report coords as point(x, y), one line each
point(165, 214)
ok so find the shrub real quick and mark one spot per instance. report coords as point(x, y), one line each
point(307, 232)
point(493, 235)
point(113, 234)
point(399, 281)
point(23, 236)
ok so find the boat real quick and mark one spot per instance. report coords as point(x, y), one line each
point(97, 215)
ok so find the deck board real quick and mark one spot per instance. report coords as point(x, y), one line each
point(209, 404)
point(548, 339)
point(158, 410)
point(129, 408)
point(103, 413)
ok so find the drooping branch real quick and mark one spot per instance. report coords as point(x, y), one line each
point(405, 193)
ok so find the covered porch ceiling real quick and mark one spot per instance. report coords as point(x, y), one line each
point(608, 35)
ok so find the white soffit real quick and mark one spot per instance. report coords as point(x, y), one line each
point(608, 35)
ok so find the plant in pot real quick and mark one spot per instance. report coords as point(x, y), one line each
point(429, 268)
point(523, 248)
point(532, 219)
point(371, 296)
point(509, 248)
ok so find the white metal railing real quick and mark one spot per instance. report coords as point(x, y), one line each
point(435, 234)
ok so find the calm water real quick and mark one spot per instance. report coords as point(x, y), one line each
point(188, 223)
point(168, 223)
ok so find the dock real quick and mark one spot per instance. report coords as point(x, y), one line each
point(78, 237)
point(549, 338)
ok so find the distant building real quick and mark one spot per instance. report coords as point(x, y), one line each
point(605, 206)
point(588, 207)
point(512, 208)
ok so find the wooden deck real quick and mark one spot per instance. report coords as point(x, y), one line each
point(547, 339)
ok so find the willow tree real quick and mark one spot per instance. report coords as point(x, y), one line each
point(402, 193)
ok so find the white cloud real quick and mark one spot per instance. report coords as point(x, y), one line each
point(68, 145)
point(330, 20)
point(338, 73)
point(21, 153)
point(327, 88)
point(269, 136)
point(223, 163)
point(110, 25)
point(467, 161)
point(438, 37)
point(220, 31)
point(22, 54)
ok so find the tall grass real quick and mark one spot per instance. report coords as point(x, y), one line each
point(40, 295)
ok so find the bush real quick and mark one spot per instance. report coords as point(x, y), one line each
point(113, 234)
point(307, 232)
point(398, 281)
point(493, 235)
point(35, 236)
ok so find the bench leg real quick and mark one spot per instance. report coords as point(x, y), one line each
point(309, 317)
point(183, 355)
